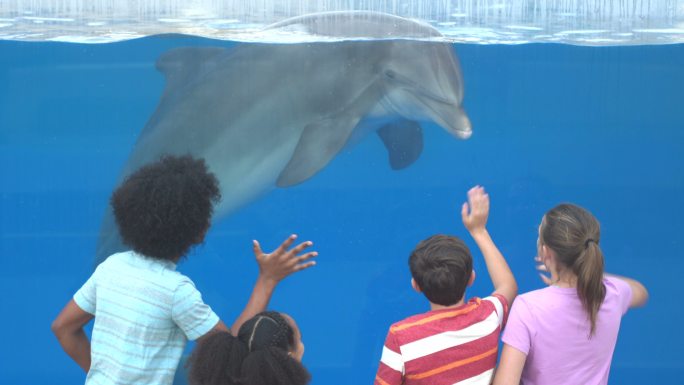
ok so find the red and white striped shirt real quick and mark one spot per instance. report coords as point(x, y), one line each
point(446, 346)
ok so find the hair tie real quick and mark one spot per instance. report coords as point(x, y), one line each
point(586, 243)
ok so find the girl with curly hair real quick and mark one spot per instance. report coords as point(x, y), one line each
point(267, 351)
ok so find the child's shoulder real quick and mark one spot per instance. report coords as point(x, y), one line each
point(545, 299)
point(112, 263)
point(466, 310)
point(615, 283)
point(117, 259)
point(534, 294)
point(131, 264)
point(410, 320)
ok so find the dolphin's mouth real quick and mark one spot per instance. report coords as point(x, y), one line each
point(416, 88)
point(446, 113)
point(461, 129)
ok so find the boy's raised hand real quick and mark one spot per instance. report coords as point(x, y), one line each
point(282, 262)
point(474, 215)
point(475, 212)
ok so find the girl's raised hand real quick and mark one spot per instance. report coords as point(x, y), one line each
point(282, 262)
point(543, 271)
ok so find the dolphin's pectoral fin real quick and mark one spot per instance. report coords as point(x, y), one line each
point(180, 65)
point(404, 142)
point(319, 143)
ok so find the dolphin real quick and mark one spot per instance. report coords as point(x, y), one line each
point(266, 115)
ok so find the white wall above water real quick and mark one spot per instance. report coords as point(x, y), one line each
point(585, 22)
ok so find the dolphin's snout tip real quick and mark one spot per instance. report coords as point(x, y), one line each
point(460, 125)
point(462, 132)
point(465, 134)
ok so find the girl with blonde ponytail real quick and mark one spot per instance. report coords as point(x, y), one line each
point(566, 332)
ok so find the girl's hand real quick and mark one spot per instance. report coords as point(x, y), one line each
point(475, 212)
point(543, 271)
point(281, 262)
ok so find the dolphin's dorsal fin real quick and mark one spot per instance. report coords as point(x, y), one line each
point(357, 24)
point(319, 143)
point(404, 142)
point(181, 65)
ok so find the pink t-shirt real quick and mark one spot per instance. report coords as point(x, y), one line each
point(551, 327)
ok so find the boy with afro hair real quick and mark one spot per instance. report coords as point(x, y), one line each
point(145, 311)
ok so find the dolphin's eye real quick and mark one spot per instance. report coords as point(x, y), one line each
point(390, 74)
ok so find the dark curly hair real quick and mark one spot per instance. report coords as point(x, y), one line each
point(257, 356)
point(164, 208)
point(441, 266)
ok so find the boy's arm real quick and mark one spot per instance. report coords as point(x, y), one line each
point(273, 267)
point(475, 221)
point(68, 327)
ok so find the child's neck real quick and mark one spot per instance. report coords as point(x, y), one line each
point(564, 279)
point(434, 306)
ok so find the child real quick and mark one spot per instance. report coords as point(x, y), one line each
point(456, 340)
point(566, 333)
point(144, 310)
point(268, 350)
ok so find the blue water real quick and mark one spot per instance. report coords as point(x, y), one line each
point(601, 127)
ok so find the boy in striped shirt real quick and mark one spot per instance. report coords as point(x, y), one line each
point(456, 341)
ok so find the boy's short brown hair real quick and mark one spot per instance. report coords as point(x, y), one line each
point(441, 266)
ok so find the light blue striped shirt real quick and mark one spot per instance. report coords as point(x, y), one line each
point(145, 312)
